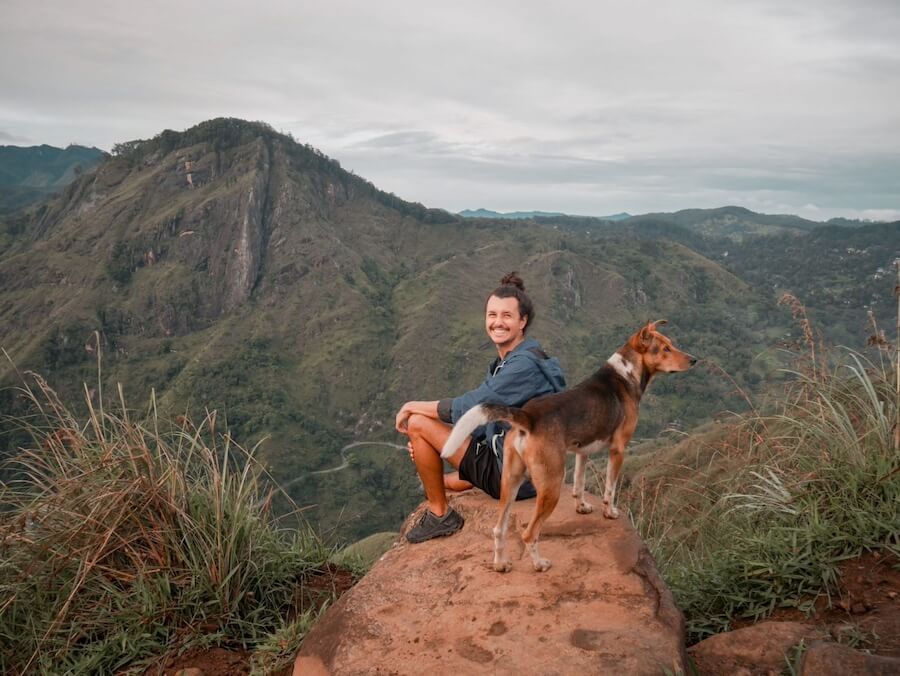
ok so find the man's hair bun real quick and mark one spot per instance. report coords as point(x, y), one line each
point(512, 279)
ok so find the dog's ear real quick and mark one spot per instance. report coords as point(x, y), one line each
point(646, 336)
point(658, 322)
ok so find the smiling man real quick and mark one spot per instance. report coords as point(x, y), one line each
point(521, 371)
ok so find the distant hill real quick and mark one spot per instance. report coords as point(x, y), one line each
point(28, 174)
point(230, 267)
point(689, 226)
point(525, 215)
point(733, 222)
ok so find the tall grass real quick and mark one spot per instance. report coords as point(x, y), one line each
point(120, 540)
point(820, 484)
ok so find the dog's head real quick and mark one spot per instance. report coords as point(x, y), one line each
point(657, 352)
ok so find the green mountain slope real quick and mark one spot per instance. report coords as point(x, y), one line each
point(839, 273)
point(229, 267)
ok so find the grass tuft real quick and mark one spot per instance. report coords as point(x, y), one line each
point(121, 541)
point(820, 483)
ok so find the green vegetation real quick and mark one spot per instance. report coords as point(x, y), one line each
point(121, 541)
point(758, 516)
point(362, 555)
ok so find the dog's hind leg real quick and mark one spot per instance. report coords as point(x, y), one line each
point(613, 467)
point(546, 481)
point(510, 481)
point(581, 505)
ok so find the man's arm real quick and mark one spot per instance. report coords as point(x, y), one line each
point(426, 408)
point(513, 385)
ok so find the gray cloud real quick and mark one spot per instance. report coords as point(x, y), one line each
point(590, 107)
point(12, 138)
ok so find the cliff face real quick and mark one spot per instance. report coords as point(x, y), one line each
point(438, 607)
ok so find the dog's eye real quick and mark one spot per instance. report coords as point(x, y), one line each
point(665, 349)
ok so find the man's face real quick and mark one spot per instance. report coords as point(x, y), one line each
point(502, 321)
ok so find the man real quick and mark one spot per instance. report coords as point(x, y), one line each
point(521, 372)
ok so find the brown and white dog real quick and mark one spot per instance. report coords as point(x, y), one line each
point(600, 412)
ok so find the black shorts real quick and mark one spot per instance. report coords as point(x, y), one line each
point(480, 468)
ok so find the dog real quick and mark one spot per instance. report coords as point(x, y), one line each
point(600, 412)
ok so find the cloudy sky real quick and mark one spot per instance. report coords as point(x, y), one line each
point(589, 107)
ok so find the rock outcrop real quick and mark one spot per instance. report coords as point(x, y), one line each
point(757, 650)
point(438, 607)
point(829, 659)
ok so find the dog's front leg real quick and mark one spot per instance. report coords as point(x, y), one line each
point(613, 466)
point(581, 505)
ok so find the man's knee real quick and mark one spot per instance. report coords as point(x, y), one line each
point(416, 424)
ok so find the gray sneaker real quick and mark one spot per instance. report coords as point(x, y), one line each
point(431, 526)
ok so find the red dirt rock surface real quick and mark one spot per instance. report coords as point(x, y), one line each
point(864, 613)
point(867, 603)
point(438, 607)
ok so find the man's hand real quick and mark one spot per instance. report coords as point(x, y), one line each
point(403, 418)
point(426, 408)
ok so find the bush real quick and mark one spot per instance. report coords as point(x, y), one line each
point(120, 541)
point(822, 484)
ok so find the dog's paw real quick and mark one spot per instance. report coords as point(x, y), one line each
point(611, 512)
point(541, 565)
point(584, 508)
point(502, 566)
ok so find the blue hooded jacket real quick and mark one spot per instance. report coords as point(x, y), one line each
point(526, 373)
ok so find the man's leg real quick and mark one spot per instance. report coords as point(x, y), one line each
point(452, 482)
point(427, 436)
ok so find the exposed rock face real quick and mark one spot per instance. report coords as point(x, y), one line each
point(828, 659)
point(438, 607)
point(760, 649)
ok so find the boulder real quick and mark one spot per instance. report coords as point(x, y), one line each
point(760, 649)
point(439, 607)
point(831, 659)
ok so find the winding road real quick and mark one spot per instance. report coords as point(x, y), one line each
point(344, 462)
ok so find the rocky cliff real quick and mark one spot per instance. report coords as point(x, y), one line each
point(438, 607)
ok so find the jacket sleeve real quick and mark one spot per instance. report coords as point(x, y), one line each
point(517, 381)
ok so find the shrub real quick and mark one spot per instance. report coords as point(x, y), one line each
point(120, 541)
point(822, 484)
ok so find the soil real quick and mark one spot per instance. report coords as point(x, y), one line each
point(317, 589)
point(865, 611)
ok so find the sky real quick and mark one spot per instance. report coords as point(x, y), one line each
point(592, 108)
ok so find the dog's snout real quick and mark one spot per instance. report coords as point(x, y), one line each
point(693, 360)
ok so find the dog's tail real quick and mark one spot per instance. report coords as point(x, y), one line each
point(481, 415)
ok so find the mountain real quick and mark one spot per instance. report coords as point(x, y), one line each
point(839, 273)
point(515, 215)
point(733, 222)
point(30, 174)
point(229, 267)
point(523, 215)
